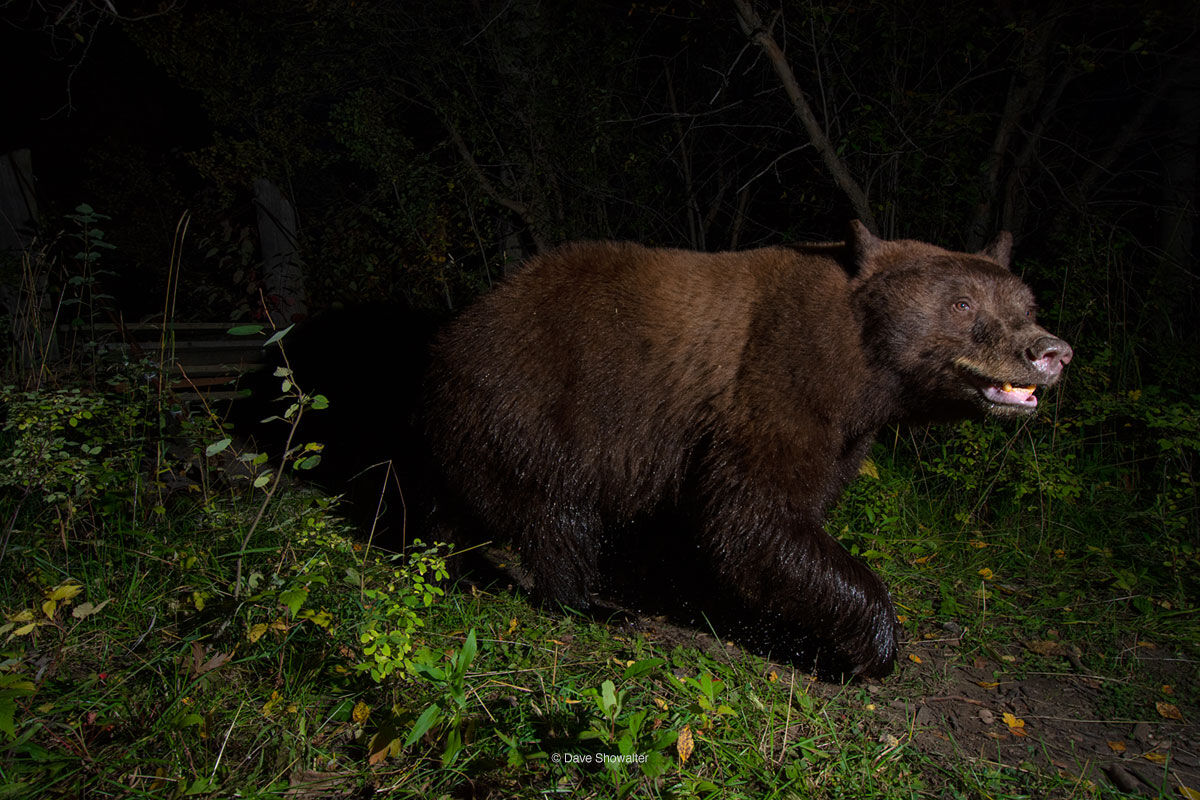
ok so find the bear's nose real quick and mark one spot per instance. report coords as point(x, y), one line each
point(1049, 355)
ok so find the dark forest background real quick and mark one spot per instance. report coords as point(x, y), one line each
point(228, 162)
point(426, 147)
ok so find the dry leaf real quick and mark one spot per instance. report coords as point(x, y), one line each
point(1188, 794)
point(1117, 747)
point(219, 660)
point(512, 626)
point(978, 545)
point(361, 712)
point(1155, 756)
point(256, 631)
point(1168, 710)
point(1016, 726)
point(913, 657)
point(986, 574)
point(684, 745)
point(988, 684)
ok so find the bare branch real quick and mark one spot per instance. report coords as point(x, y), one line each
point(752, 26)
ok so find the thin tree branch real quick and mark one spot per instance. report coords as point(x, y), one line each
point(752, 26)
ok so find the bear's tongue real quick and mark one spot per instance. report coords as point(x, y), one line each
point(1010, 395)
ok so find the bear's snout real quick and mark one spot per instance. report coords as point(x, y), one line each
point(1049, 355)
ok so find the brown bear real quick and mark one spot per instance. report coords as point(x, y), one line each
point(605, 381)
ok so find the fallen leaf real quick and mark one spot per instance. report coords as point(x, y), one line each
point(913, 657)
point(361, 712)
point(219, 660)
point(988, 684)
point(1168, 710)
point(86, 609)
point(256, 631)
point(684, 745)
point(512, 626)
point(1148, 645)
point(986, 574)
point(1016, 726)
point(1188, 794)
point(1155, 757)
point(1117, 747)
point(977, 544)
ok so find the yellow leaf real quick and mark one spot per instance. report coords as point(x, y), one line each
point(65, 591)
point(361, 712)
point(977, 544)
point(256, 632)
point(684, 745)
point(1013, 721)
point(1060, 553)
point(512, 625)
point(924, 559)
point(913, 657)
point(24, 615)
point(772, 676)
point(49, 607)
point(1156, 757)
point(988, 684)
point(1117, 747)
point(869, 469)
point(662, 704)
point(986, 574)
point(1168, 710)
point(1148, 645)
point(1188, 794)
point(84, 610)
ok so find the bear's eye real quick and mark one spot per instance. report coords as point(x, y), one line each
point(962, 305)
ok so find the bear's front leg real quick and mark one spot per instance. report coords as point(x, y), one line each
point(833, 610)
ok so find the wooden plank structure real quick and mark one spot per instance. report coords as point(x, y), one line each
point(200, 358)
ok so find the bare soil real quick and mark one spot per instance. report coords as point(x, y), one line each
point(952, 706)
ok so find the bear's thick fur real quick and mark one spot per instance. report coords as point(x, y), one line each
point(606, 381)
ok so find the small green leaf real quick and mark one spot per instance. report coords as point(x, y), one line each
point(217, 447)
point(245, 330)
point(427, 720)
point(278, 335)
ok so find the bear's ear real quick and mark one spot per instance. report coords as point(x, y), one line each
point(863, 244)
point(1000, 250)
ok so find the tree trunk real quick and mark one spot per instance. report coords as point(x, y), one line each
point(1028, 82)
point(1177, 233)
point(283, 272)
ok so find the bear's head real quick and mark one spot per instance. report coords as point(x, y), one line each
point(956, 331)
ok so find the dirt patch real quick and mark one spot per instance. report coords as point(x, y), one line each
point(977, 709)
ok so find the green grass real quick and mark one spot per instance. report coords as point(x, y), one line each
point(336, 670)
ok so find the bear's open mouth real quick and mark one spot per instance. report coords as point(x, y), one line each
point(999, 394)
point(1009, 395)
